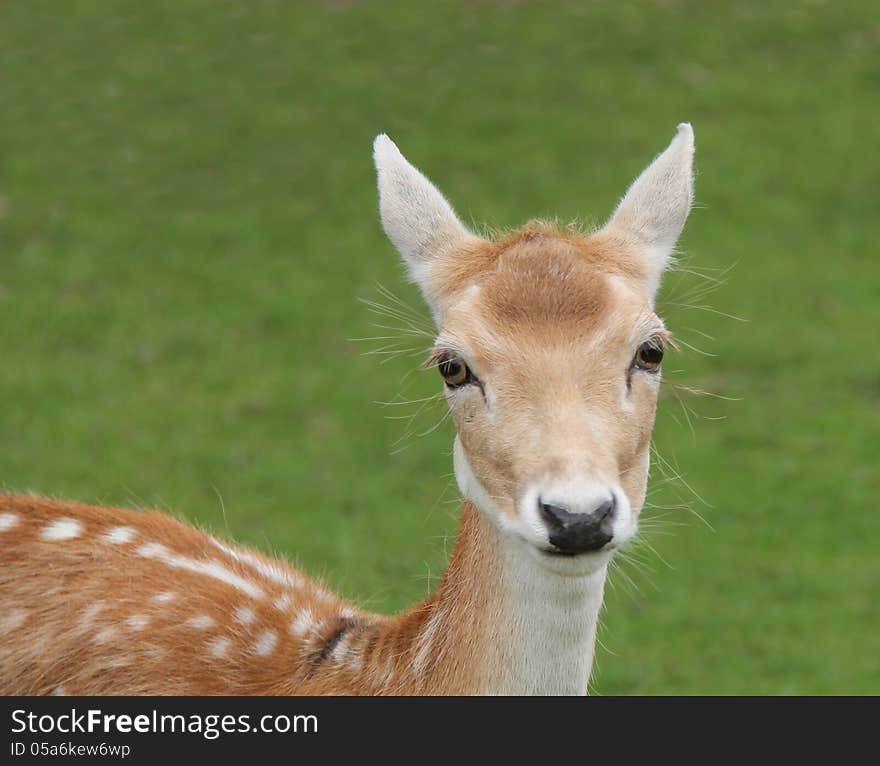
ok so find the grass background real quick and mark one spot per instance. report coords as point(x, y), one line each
point(188, 219)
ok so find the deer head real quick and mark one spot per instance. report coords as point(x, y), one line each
point(550, 353)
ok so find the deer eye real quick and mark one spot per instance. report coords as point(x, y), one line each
point(649, 356)
point(454, 371)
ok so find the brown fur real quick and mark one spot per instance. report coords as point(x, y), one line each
point(56, 647)
point(478, 259)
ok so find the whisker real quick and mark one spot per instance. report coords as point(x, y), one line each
point(709, 309)
point(694, 348)
point(701, 392)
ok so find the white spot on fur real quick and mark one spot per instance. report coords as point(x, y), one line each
point(426, 641)
point(265, 644)
point(153, 551)
point(219, 647)
point(120, 535)
point(345, 654)
point(245, 615)
point(341, 651)
point(282, 602)
point(12, 620)
point(59, 691)
point(8, 521)
point(303, 623)
point(200, 622)
point(91, 611)
point(137, 622)
point(322, 595)
point(156, 652)
point(272, 572)
point(63, 529)
point(316, 635)
point(208, 568)
point(165, 598)
point(105, 634)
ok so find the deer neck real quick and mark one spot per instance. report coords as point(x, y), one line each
point(502, 623)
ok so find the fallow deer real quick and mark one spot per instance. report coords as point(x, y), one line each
point(549, 350)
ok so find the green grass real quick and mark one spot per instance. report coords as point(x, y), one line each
point(188, 219)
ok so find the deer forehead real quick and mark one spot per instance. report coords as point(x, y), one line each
point(543, 297)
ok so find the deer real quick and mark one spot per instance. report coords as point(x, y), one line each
point(549, 351)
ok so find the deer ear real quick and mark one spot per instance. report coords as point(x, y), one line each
point(418, 220)
point(653, 210)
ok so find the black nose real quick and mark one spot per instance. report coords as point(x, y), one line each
point(573, 533)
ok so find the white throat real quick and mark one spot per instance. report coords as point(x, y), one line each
point(546, 629)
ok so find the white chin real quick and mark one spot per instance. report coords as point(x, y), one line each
point(572, 566)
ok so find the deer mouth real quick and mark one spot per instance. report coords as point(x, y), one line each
point(568, 554)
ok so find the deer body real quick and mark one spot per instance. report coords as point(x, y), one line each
point(549, 349)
